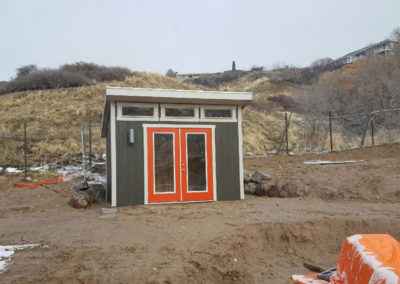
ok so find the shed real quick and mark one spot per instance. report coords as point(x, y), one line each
point(173, 145)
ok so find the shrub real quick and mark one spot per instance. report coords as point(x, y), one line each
point(29, 77)
point(97, 72)
point(46, 79)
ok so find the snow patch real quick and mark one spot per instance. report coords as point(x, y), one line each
point(6, 253)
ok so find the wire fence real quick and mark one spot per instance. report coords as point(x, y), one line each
point(333, 132)
point(27, 146)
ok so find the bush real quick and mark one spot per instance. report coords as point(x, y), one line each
point(46, 79)
point(97, 72)
point(3, 85)
point(30, 77)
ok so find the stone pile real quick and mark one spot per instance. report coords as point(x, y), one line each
point(84, 194)
point(263, 184)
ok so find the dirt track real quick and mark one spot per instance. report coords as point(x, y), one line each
point(259, 240)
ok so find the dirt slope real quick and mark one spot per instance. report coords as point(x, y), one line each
point(377, 178)
point(258, 240)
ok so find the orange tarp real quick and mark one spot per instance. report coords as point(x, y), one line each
point(364, 259)
point(368, 259)
point(34, 185)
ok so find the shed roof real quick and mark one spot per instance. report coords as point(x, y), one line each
point(127, 94)
point(177, 96)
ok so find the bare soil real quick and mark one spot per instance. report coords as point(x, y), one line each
point(258, 240)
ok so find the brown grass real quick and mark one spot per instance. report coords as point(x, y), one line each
point(55, 116)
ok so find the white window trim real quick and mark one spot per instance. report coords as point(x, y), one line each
point(154, 163)
point(203, 117)
point(163, 117)
point(120, 116)
point(187, 161)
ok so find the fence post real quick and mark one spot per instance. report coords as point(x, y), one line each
point(287, 133)
point(90, 144)
point(330, 130)
point(372, 132)
point(25, 153)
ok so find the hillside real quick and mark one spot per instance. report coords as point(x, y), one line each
point(57, 115)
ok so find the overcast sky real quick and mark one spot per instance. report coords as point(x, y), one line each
point(185, 35)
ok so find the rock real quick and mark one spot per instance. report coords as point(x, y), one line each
point(273, 191)
point(99, 191)
point(78, 200)
point(250, 188)
point(260, 177)
point(247, 176)
point(84, 195)
point(261, 189)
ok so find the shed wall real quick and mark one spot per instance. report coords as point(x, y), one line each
point(130, 161)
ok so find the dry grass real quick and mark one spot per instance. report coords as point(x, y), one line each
point(55, 116)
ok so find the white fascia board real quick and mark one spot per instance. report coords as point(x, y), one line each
point(243, 97)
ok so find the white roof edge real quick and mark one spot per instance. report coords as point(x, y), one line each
point(183, 94)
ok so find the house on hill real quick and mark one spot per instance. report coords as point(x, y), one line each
point(384, 47)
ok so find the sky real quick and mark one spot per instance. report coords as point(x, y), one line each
point(186, 35)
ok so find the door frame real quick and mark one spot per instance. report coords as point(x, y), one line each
point(182, 125)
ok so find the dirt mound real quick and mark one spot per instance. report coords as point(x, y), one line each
point(374, 179)
point(278, 249)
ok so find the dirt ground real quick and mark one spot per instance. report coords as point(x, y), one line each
point(258, 240)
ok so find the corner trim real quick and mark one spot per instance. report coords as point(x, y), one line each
point(113, 156)
point(241, 169)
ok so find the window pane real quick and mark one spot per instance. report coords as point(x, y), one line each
point(164, 162)
point(196, 159)
point(183, 112)
point(137, 111)
point(218, 113)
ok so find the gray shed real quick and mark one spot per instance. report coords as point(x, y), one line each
point(173, 145)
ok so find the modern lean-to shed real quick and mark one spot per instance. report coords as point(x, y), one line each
point(173, 145)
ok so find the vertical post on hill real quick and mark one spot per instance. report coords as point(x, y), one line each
point(25, 152)
point(330, 131)
point(90, 144)
point(372, 132)
point(287, 132)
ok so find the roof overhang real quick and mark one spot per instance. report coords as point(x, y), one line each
point(145, 95)
point(177, 96)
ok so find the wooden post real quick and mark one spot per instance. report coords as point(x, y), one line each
point(25, 153)
point(90, 144)
point(372, 132)
point(330, 130)
point(287, 133)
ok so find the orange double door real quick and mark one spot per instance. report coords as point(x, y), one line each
point(179, 164)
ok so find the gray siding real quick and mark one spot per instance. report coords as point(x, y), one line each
point(130, 164)
point(130, 161)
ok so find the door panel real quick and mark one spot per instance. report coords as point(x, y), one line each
point(164, 163)
point(163, 170)
point(179, 164)
point(196, 164)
